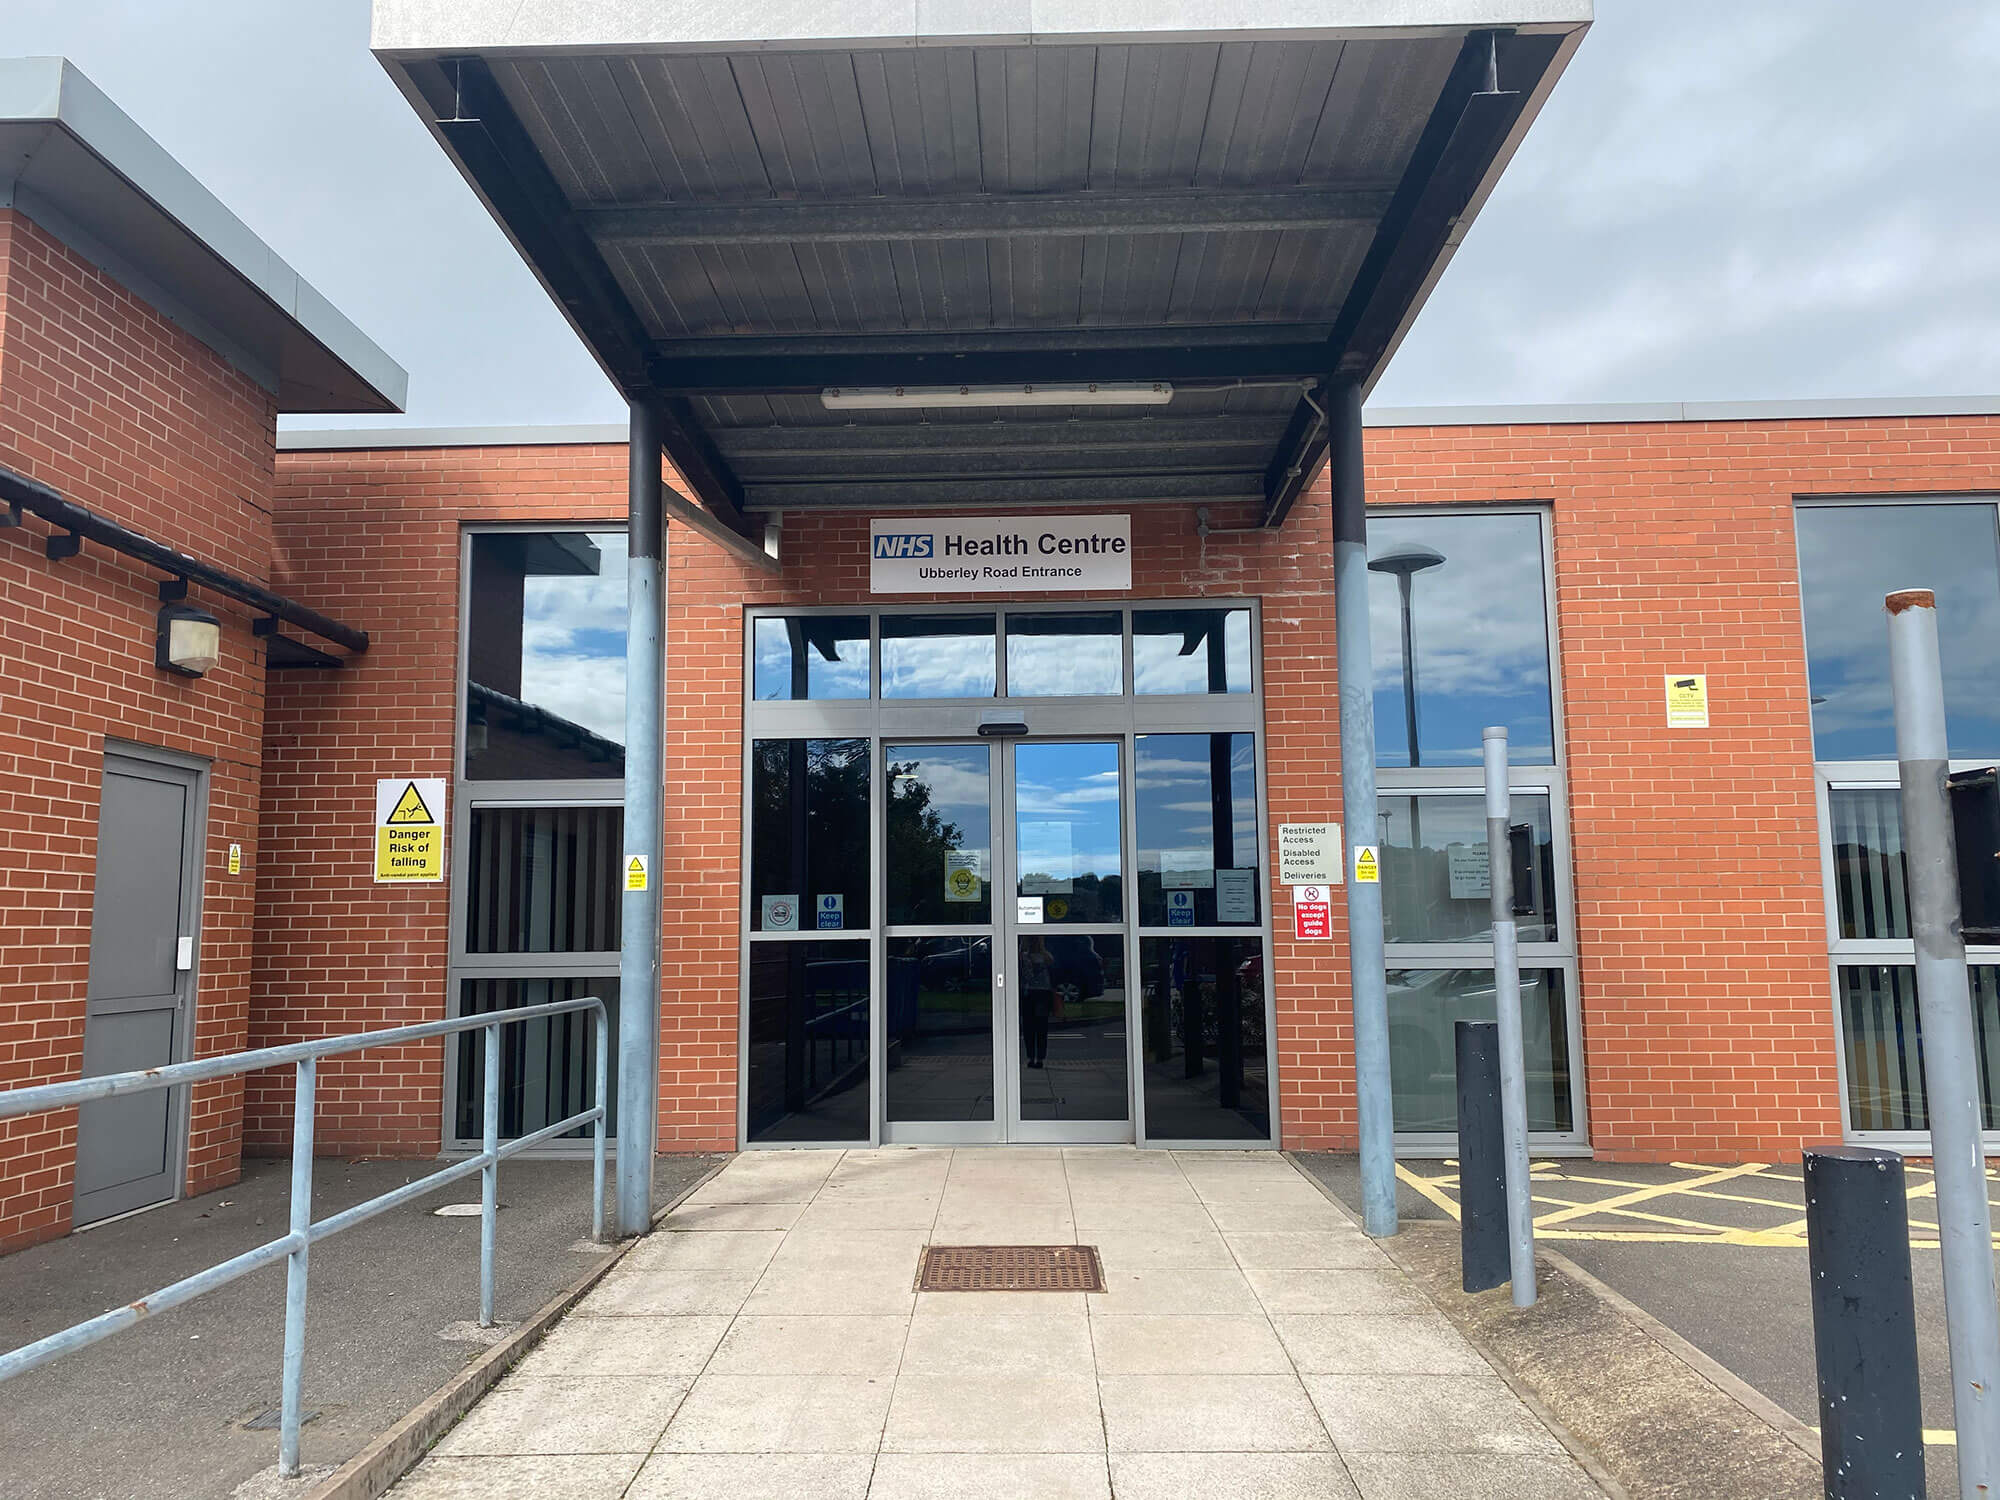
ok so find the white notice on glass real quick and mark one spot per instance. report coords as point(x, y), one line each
point(781, 913)
point(1235, 895)
point(1186, 869)
point(1046, 859)
point(1028, 910)
point(1471, 879)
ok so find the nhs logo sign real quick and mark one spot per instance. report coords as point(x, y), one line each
point(904, 544)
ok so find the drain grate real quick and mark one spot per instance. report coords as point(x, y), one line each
point(1010, 1268)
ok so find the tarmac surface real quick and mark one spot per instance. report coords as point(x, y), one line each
point(166, 1408)
point(1717, 1254)
point(769, 1339)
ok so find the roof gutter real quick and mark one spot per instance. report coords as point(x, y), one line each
point(78, 525)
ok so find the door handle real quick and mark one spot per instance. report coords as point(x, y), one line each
point(184, 955)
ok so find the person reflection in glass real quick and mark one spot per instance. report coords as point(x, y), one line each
point(1038, 998)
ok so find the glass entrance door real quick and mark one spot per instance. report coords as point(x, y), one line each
point(1006, 956)
point(1068, 1057)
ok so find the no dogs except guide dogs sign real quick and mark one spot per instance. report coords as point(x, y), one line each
point(409, 833)
point(1312, 913)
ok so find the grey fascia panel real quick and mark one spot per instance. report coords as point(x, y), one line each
point(1857, 409)
point(421, 28)
point(326, 352)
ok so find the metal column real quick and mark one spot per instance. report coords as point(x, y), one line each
point(1354, 664)
point(1951, 1056)
point(1507, 1013)
point(639, 945)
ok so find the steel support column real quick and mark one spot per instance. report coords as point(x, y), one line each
point(1367, 977)
point(639, 945)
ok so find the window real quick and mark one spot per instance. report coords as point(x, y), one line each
point(1459, 612)
point(545, 656)
point(811, 656)
point(1065, 655)
point(1851, 554)
point(939, 656)
point(1196, 807)
point(1191, 650)
point(1206, 1072)
point(539, 827)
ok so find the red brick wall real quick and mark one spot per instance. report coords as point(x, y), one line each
point(372, 538)
point(1707, 1015)
point(124, 412)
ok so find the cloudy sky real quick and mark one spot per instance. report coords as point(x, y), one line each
point(1742, 199)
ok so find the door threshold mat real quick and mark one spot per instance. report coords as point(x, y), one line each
point(1010, 1268)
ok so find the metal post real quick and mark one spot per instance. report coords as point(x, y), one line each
point(1368, 979)
point(1482, 1164)
point(489, 1175)
point(297, 1266)
point(639, 947)
point(1871, 1425)
point(1507, 1014)
point(1944, 1012)
point(603, 1127)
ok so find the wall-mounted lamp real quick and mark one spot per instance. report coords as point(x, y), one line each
point(190, 641)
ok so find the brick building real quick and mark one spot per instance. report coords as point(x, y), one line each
point(148, 343)
point(987, 703)
point(1689, 995)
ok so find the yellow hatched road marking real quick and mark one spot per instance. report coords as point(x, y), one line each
point(1643, 1195)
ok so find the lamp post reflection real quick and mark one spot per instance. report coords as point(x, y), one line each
point(1405, 563)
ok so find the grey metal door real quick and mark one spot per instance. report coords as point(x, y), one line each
point(142, 943)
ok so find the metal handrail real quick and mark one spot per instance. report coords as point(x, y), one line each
point(295, 1247)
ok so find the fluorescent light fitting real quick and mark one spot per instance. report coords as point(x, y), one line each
point(1093, 393)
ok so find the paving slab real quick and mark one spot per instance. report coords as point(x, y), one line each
point(1251, 1343)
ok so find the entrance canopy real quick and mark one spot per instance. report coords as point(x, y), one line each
point(822, 259)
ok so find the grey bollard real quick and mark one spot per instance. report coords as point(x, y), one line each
point(1864, 1324)
point(1482, 1159)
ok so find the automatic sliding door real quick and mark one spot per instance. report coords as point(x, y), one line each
point(938, 868)
point(1068, 1051)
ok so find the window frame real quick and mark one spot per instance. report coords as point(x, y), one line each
point(603, 791)
point(1121, 717)
point(1550, 779)
point(1865, 775)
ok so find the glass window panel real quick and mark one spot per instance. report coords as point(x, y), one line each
point(1073, 1027)
point(1425, 1006)
point(1870, 876)
point(1434, 869)
point(1191, 650)
point(939, 656)
point(1206, 1076)
point(1197, 799)
point(1065, 655)
point(810, 656)
point(940, 1028)
point(545, 656)
point(808, 835)
point(543, 879)
point(1850, 556)
point(808, 1023)
point(1459, 624)
point(1068, 838)
point(940, 834)
point(1885, 1062)
point(548, 1067)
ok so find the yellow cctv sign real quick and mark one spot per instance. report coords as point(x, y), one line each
point(409, 837)
point(1687, 700)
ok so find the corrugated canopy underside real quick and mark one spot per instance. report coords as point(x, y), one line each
point(735, 230)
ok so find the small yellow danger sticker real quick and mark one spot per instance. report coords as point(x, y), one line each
point(236, 859)
point(409, 839)
point(635, 873)
point(1367, 865)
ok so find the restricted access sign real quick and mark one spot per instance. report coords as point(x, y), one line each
point(1309, 853)
point(1312, 913)
point(409, 836)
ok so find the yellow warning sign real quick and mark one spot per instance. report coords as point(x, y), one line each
point(1687, 700)
point(1367, 866)
point(635, 873)
point(236, 859)
point(409, 839)
point(961, 881)
point(1057, 908)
